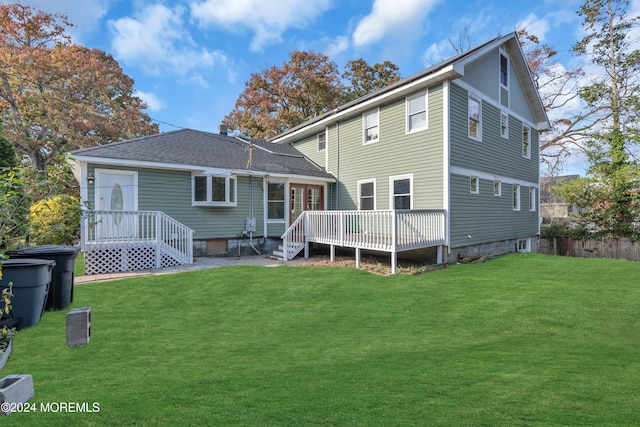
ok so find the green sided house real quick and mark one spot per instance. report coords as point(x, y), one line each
point(444, 160)
point(159, 200)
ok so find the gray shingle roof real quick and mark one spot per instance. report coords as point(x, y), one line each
point(189, 147)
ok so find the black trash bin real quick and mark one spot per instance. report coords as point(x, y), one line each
point(30, 278)
point(62, 279)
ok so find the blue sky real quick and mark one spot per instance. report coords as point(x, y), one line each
point(190, 58)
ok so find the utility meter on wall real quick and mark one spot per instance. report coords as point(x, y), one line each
point(251, 224)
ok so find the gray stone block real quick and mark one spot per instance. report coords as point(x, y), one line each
point(14, 390)
point(78, 326)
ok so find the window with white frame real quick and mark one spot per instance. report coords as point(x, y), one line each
point(474, 185)
point(523, 245)
point(497, 188)
point(417, 112)
point(214, 190)
point(367, 195)
point(504, 69)
point(371, 126)
point(475, 118)
point(532, 199)
point(401, 191)
point(322, 141)
point(504, 125)
point(275, 200)
point(526, 141)
point(516, 197)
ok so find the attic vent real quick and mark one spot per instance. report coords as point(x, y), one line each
point(222, 130)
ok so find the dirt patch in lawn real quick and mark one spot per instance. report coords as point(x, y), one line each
point(373, 264)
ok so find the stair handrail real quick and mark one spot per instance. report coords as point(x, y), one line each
point(296, 233)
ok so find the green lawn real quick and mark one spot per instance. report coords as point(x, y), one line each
point(521, 340)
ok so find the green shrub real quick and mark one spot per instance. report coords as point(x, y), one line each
point(14, 209)
point(55, 220)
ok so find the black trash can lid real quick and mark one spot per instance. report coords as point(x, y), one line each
point(46, 250)
point(26, 262)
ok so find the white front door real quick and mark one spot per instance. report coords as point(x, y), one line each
point(116, 191)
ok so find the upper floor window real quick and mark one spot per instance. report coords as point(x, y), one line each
point(526, 141)
point(474, 185)
point(214, 190)
point(401, 191)
point(504, 125)
point(322, 141)
point(367, 195)
point(417, 112)
point(475, 118)
point(504, 69)
point(371, 126)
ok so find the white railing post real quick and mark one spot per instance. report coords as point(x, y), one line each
point(158, 240)
point(306, 234)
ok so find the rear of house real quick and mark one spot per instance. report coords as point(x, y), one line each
point(461, 137)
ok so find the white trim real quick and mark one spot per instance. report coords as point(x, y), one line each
point(392, 195)
point(516, 196)
point(324, 132)
point(446, 156)
point(506, 128)
point(448, 72)
point(466, 86)
point(425, 95)
point(268, 220)
point(97, 172)
point(532, 199)
point(473, 178)
point(499, 193)
point(455, 170)
point(526, 155)
point(478, 100)
point(228, 191)
point(502, 52)
point(326, 151)
point(364, 126)
point(196, 169)
point(375, 189)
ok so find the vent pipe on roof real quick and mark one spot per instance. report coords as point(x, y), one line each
point(222, 130)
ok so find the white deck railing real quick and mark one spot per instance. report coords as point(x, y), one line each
point(388, 231)
point(103, 230)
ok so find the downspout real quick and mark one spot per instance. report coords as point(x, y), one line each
point(251, 197)
point(337, 166)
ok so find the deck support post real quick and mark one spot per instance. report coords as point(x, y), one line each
point(357, 257)
point(440, 254)
point(394, 262)
point(332, 251)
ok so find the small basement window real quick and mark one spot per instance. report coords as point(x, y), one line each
point(214, 190)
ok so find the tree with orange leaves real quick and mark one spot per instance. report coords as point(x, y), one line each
point(56, 96)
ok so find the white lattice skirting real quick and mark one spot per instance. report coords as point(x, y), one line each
point(102, 261)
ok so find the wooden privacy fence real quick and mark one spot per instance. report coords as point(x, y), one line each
point(606, 247)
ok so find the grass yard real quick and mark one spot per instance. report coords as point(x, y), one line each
point(526, 340)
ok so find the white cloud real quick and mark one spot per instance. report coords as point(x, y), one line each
point(85, 15)
point(336, 46)
point(391, 17)
point(156, 40)
point(534, 26)
point(266, 19)
point(438, 52)
point(153, 102)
